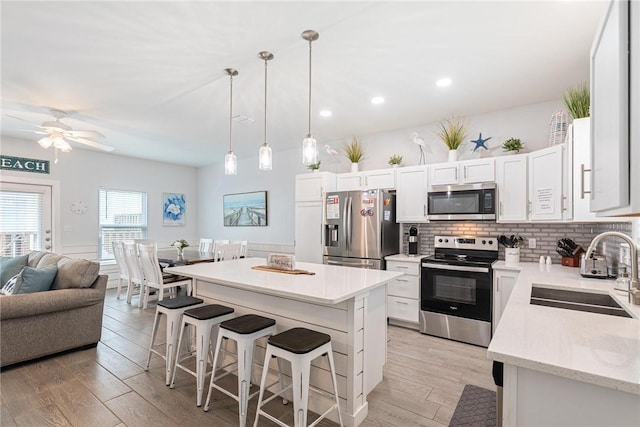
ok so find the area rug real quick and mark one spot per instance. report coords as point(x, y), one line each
point(476, 407)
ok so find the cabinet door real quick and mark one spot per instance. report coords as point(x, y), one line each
point(546, 184)
point(444, 174)
point(308, 241)
point(478, 171)
point(383, 178)
point(349, 181)
point(503, 284)
point(411, 194)
point(580, 133)
point(511, 180)
point(309, 187)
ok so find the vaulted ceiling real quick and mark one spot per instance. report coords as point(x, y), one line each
point(150, 75)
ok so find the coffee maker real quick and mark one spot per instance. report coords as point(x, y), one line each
point(413, 240)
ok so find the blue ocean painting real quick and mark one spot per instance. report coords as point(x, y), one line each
point(245, 209)
point(173, 209)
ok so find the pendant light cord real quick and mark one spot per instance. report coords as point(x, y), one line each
point(230, 108)
point(265, 101)
point(309, 122)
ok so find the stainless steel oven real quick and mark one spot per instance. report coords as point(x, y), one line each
point(456, 289)
point(462, 202)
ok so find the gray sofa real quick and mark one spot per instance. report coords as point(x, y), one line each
point(66, 317)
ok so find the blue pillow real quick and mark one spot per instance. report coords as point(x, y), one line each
point(36, 279)
point(10, 266)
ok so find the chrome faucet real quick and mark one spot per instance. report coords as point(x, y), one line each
point(634, 284)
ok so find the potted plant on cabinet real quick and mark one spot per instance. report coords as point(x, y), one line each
point(452, 132)
point(395, 160)
point(577, 99)
point(314, 166)
point(354, 152)
point(512, 146)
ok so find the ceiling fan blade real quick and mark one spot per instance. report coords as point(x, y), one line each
point(21, 119)
point(90, 143)
point(85, 134)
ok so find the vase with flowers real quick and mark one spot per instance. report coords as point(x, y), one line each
point(180, 244)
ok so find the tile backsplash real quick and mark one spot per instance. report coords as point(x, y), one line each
point(546, 236)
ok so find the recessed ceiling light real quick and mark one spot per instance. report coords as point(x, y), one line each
point(325, 113)
point(377, 100)
point(443, 82)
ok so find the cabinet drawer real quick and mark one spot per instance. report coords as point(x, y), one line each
point(412, 268)
point(402, 308)
point(404, 286)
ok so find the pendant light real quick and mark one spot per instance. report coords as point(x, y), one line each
point(309, 148)
point(230, 159)
point(264, 156)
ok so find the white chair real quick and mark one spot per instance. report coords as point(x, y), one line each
point(123, 271)
point(243, 247)
point(153, 277)
point(206, 245)
point(217, 243)
point(136, 278)
point(226, 252)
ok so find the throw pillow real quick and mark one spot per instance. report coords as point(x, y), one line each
point(9, 288)
point(75, 273)
point(37, 279)
point(10, 266)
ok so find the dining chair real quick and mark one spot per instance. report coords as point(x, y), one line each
point(123, 271)
point(206, 245)
point(136, 278)
point(154, 278)
point(243, 247)
point(227, 252)
point(217, 243)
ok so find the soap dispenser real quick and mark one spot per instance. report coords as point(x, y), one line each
point(622, 282)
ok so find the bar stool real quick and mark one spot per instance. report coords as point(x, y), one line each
point(205, 319)
point(245, 331)
point(300, 346)
point(173, 309)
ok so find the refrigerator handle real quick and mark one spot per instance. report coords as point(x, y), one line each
point(344, 222)
point(349, 223)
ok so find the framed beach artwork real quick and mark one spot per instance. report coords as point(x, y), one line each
point(173, 209)
point(245, 209)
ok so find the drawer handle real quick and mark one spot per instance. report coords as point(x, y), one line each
point(401, 266)
point(402, 280)
point(403, 303)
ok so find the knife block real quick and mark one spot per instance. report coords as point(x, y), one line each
point(573, 261)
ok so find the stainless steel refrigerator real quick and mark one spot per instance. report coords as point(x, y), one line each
point(360, 228)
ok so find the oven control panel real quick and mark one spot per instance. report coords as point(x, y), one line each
point(466, 242)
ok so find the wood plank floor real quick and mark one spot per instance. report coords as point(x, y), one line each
point(107, 385)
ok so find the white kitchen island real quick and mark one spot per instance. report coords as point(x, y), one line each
point(347, 303)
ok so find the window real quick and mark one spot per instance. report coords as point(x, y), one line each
point(123, 217)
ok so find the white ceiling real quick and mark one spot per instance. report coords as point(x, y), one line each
point(150, 75)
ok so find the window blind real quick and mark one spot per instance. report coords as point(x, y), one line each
point(21, 222)
point(123, 217)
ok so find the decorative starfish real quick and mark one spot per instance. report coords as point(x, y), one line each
point(480, 142)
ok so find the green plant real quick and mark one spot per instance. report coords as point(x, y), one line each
point(314, 166)
point(512, 144)
point(577, 99)
point(354, 150)
point(452, 132)
point(395, 159)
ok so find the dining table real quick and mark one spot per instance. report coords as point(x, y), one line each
point(188, 257)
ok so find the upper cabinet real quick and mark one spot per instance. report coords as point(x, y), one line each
point(465, 172)
point(310, 186)
point(379, 179)
point(549, 185)
point(411, 194)
point(511, 180)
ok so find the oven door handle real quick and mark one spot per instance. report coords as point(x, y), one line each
point(455, 267)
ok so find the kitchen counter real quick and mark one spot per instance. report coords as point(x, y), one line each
point(540, 344)
point(347, 303)
point(405, 257)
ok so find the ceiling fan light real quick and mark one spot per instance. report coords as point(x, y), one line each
point(309, 150)
point(265, 158)
point(45, 142)
point(65, 147)
point(230, 164)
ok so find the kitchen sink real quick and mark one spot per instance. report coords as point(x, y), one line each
point(577, 300)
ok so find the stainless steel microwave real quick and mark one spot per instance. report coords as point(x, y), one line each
point(462, 202)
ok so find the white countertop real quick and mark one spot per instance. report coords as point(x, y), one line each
point(594, 348)
point(405, 257)
point(330, 285)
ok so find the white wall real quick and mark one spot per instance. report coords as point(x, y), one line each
point(529, 123)
point(81, 173)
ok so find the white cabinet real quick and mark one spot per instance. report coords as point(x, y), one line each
point(378, 179)
point(549, 185)
point(403, 293)
point(466, 172)
point(512, 189)
point(503, 283)
point(411, 194)
point(309, 214)
point(309, 187)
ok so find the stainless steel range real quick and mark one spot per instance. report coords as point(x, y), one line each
point(456, 289)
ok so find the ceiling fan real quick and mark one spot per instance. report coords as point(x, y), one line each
point(58, 134)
